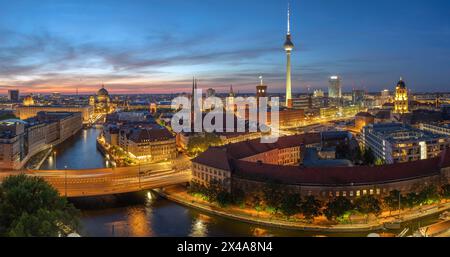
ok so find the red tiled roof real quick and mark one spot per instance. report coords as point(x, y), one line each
point(229, 158)
point(139, 135)
point(216, 157)
point(333, 176)
point(252, 147)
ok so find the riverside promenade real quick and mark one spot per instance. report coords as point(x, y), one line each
point(179, 195)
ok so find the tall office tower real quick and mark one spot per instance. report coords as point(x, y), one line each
point(288, 47)
point(401, 98)
point(358, 97)
point(335, 89)
point(385, 96)
point(13, 95)
point(210, 92)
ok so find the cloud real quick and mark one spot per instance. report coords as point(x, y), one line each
point(44, 60)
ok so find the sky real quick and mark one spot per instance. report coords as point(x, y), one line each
point(157, 46)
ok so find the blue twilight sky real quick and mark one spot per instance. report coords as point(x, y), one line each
point(156, 46)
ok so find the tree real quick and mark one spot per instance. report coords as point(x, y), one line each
point(195, 188)
point(411, 200)
point(29, 206)
point(428, 195)
point(394, 200)
point(238, 196)
point(224, 198)
point(290, 204)
point(445, 191)
point(213, 190)
point(379, 162)
point(358, 156)
point(368, 205)
point(311, 208)
point(369, 157)
point(273, 195)
point(199, 143)
point(337, 207)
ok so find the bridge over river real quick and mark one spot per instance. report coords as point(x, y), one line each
point(107, 181)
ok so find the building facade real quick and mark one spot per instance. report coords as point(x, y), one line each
point(148, 144)
point(234, 167)
point(334, 87)
point(26, 112)
point(22, 139)
point(396, 143)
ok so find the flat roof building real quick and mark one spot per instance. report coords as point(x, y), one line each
point(396, 142)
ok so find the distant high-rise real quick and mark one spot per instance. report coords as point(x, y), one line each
point(288, 47)
point(210, 92)
point(358, 97)
point(401, 98)
point(13, 95)
point(385, 96)
point(335, 89)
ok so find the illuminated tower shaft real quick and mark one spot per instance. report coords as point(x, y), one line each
point(288, 47)
point(288, 80)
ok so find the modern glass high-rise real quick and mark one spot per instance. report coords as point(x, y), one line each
point(358, 97)
point(334, 88)
point(13, 95)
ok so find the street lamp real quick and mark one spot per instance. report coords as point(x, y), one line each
point(139, 173)
point(65, 180)
point(54, 153)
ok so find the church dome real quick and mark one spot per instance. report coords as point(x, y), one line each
point(102, 92)
point(401, 84)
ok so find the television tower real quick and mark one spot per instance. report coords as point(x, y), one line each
point(288, 47)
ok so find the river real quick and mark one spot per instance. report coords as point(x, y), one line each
point(145, 213)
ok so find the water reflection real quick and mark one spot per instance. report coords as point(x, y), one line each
point(261, 232)
point(139, 222)
point(79, 152)
point(200, 226)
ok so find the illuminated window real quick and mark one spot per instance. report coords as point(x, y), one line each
point(364, 192)
point(358, 193)
point(371, 191)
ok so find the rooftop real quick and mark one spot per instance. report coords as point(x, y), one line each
point(148, 134)
point(230, 158)
point(397, 132)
